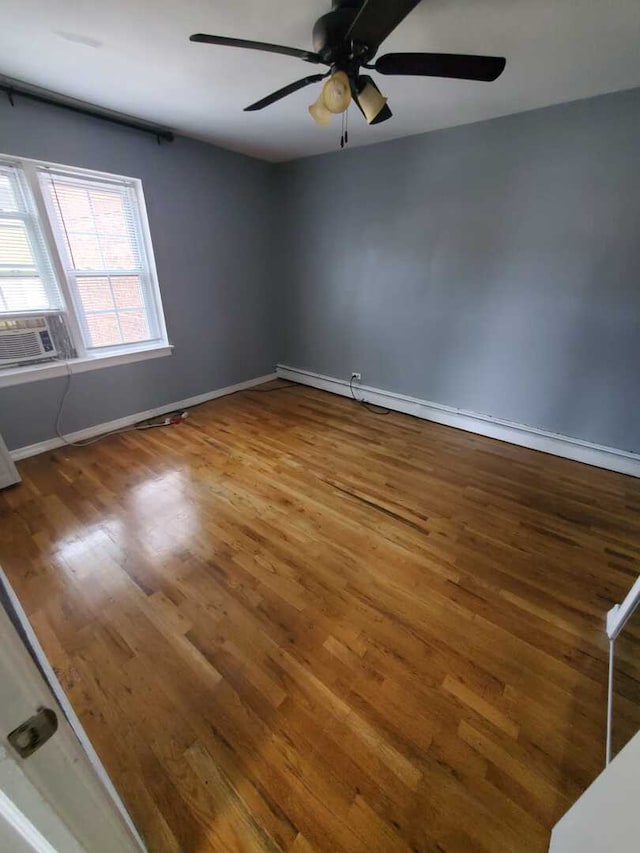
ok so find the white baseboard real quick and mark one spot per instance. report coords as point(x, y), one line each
point(598, 455)
point(128, 420)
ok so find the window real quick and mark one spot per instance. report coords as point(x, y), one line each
point(27, 282)
point(97, 227)
point(75, 244)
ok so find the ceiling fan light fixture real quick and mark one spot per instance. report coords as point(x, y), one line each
point(319, 113)
point(336, 93)
point(371, 100)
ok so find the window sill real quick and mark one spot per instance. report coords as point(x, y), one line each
point(33, 373)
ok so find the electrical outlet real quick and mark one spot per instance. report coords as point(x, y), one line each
point(356, 376)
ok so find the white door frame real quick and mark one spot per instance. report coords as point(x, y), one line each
point(617, 618)
point(620, 614)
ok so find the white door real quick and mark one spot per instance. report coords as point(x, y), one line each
point(58, 799)
point(607, 815)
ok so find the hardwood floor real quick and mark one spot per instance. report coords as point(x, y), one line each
point(289, 624)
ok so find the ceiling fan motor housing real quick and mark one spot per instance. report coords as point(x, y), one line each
point(329, 33)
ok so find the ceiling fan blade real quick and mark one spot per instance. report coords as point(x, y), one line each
point(306, 55)
point(286, 90)
point(462, 67)
point(377, 19)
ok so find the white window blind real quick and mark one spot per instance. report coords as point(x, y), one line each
point(27, 282)
point(98, 231)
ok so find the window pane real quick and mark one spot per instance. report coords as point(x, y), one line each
point(134, 326)
point(73, 206)
point(85, 252)
point(8, 201)
point(127, 291)
point(22, 294)
point(118, 253)
point(114, 309)
point(97, 223)
point(95, 294)
point(103, 330)
point(15, 250)
point(109, 213)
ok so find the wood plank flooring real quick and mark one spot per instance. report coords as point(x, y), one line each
point(290, 624)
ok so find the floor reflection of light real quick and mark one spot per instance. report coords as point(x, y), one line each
point(163, 508)
point(87, 544)
point(90, 560)
point(157, 517)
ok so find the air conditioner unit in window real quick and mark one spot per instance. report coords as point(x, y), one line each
point(24, 339)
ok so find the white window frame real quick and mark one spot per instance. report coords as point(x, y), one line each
point(105, 356)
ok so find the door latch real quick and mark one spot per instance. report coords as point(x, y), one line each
point(35, 731)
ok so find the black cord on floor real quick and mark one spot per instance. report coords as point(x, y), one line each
point(375, 410)
point(140, 425)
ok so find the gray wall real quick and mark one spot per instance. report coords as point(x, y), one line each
point(207, 213)
point(494, 267)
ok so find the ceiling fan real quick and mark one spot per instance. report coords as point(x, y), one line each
point(346, 40)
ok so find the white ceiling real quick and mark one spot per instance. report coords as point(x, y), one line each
point(134, 56)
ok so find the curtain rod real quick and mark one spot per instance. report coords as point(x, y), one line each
point(44, 97)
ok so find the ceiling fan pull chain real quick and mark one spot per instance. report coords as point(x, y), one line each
point(346, 126)
point(342, 132)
